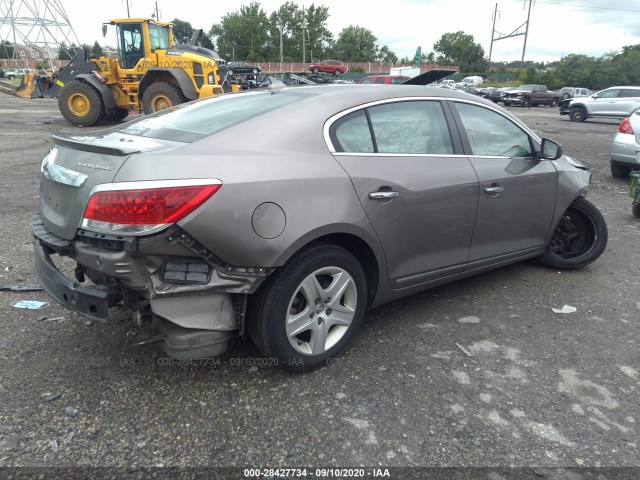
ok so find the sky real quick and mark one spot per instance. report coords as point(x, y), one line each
point(557, 27)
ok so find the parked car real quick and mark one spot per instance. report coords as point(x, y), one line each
point(625, 150)
point(236, 68)
point(492, 93)
point(470, 90)
point(10, 74)
point(613, 102)
point(384, 79)
point(530, 96)
point(204, 230)
point(23, 71)
point(571, 92)
point(335, 67)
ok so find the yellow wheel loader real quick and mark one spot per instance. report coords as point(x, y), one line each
point(150, 73)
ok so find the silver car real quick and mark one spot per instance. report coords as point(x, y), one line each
point(625, 151)
point(285, 214)
point(614, 102)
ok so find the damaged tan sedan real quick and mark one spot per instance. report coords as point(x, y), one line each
point(285, 214)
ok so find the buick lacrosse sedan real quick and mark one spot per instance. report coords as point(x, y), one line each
point(283, 215)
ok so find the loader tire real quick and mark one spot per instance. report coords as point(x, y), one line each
point(81, 104)
point(161, 95)
point(118, 115)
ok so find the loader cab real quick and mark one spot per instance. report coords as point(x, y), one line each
point(130, 44)
point(138, 38)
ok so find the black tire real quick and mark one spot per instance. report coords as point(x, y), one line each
point(526, 102)
point(635, 209)
point(11, 77)
point(81, 104)
point(565, 96)
point(579, 238)
point(315, 70)
point(337, 73)
point(620, 171)
point(161, 95)
point(284, 292)
point(577, 114)
point(119, 115)
point(554, 102)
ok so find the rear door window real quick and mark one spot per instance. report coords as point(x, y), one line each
point(410, 127)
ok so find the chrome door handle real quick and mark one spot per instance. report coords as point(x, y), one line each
point(383, 195)
point(494, 189)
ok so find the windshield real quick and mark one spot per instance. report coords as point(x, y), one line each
point(525, 88)
point(158, 37)
point(193, 121)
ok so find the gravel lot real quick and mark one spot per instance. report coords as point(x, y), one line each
point(541, 389)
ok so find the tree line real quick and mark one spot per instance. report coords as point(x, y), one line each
point(301, 34)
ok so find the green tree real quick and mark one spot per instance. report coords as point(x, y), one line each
point(240, 32)
point(96, 51)
point(6, 49)
point(528, 75)
point(460, 49)
point(293, 20)
point(386, 55)
point(575, 70)
point(627, 64)
point(318, 35)
point(356, 44)
point(67, 53)
point(183, 31)
point(287, 18)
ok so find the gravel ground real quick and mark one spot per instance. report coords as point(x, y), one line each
point(540, 390)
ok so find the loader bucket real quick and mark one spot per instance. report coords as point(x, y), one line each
point(27, 86)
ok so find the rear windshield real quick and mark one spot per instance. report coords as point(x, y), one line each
point(193, 121)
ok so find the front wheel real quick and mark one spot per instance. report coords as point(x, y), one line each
point(526, 102)
point(577, 114)
point(81, 104)
point(315, 70)
point(579, 239)
point(337, 73)
point(554, 102)
point(619, 171)
point(310, 309)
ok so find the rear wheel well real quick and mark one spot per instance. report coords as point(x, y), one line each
point(359, 249)
point(154, 77)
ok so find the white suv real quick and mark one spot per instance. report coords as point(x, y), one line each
point(613, 102)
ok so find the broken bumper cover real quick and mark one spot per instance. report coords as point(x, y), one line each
point(90, 301)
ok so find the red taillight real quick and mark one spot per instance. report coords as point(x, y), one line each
point(147, 206)
point(625, 127)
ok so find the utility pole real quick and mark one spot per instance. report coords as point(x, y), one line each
point(281, 53)
point(493, 31)
point(515, 33)
point(304, 27)
point(156, 12)
point(526, 34)
point(128, 13)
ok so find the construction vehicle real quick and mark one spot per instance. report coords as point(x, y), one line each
point(150, 73)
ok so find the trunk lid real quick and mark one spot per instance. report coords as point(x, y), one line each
point(78, 163)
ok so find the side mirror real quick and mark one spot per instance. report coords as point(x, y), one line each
point(550, 150)
point(104, 29)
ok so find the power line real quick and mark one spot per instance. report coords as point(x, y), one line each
point(589, 6)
